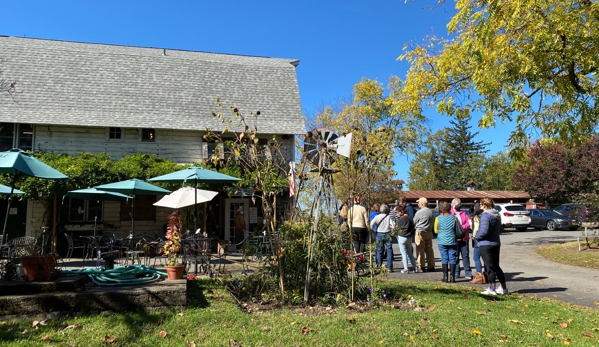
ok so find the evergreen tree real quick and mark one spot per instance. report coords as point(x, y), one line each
point(461, 155)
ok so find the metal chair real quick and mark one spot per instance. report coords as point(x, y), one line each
point(74, 245)
point(199, 252)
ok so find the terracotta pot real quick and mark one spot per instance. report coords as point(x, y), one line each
point(175, 272)
point(38, 267)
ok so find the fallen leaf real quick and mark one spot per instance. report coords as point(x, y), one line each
point(181, 314)
point(432, 308)
point(435, 337)
point(564, 325)
point(234, 343)
point(549, 336)
point(476, 332)
point(584, 333)
point(43, 322)
point(515, 321)
point(109, 339)
point(73, 326)
point(24, 332)
point(45, 337)
point(191, 344)
point(34, 324)
point(435, 330)
point(406, 334)
point(382, 341)
point(306, 330)
point(567, 342)
point(163, 333)
point(265, 328)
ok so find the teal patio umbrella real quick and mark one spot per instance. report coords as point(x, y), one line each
point(6, 190)
point(20, 164)
point(133, 187)
point(96, 195)
point(196, 175)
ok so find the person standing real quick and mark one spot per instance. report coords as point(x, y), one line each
point(463, 244)
point(374, 211)
point(489, 244)
point(239, 223)
point(359, 222)
point(383, 237)
point(406, 206)
point(405, 227)
point(423, 223)
point(446, 241)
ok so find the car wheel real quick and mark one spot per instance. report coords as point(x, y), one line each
point(551, 225)
point(522, 228)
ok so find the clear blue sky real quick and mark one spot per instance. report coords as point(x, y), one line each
point(337, 42)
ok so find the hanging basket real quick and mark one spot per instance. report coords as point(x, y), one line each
point(175, 272)
point(38, 267)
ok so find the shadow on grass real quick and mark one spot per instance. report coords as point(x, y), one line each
point(541, 290)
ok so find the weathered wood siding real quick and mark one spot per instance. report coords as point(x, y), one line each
point(181, 146)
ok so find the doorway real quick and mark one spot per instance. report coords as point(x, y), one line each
point(231, 205)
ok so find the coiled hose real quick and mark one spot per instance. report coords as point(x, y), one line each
point(120, 275)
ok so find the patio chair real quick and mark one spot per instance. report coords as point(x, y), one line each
point(74, 245)
point(199, 252)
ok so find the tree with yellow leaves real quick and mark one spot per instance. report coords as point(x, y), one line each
point(534, 62)
point(380, 131)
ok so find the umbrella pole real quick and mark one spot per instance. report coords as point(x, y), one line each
point(95, 224)
point(195, 206)
point(12, 189)
point(132, 217)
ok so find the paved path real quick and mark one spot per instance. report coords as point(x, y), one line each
point(529, 273)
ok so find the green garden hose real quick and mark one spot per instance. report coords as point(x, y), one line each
point(120, 275)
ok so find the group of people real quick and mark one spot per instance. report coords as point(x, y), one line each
point(403, 223)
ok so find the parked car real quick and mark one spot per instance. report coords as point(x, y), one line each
point(514, 216)
point(578, 210)
point(552, 220)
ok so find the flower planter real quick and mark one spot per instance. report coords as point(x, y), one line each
point(175, 272)
point(38, 267)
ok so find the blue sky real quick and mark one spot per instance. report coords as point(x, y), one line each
point(337, 42)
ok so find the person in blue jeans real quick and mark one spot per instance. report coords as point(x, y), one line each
point(404, 224)
point(446, 241)
point(463, 244)
point(382, 222)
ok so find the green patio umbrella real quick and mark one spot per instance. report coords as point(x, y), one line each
point(18, 163)
point(5, 190)
point(196, 175)
point(97, 195)
point(133, 187)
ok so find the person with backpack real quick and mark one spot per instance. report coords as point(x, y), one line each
point(463, 244)
point(384, 225)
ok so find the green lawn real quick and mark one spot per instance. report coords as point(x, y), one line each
point(567, 253)
point(441, 315)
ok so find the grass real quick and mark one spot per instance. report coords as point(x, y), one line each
point(442, 315)
point(567, 253)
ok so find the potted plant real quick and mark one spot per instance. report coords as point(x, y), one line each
point(36, 265)
point(172, 246)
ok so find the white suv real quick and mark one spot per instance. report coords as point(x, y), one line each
point(514, 216)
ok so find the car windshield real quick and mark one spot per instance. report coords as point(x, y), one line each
point(551, 213)
point(554, 212)
point(515, 208)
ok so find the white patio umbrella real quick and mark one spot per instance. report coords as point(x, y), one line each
point(185, 197)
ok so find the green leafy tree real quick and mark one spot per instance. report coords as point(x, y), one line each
point(533, 62)
point(497, 173)
point(427, 171)
point(379, 133)
point(461, 154)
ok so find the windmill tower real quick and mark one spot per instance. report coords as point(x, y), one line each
point(321, 147)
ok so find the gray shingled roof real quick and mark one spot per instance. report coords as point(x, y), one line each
point(74, 83)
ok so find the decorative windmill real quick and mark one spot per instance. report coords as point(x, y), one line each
point(321, 147)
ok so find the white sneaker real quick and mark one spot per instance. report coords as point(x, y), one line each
point(488, 292)
point(501, 290)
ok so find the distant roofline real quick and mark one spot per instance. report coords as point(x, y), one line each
point(294, 62)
